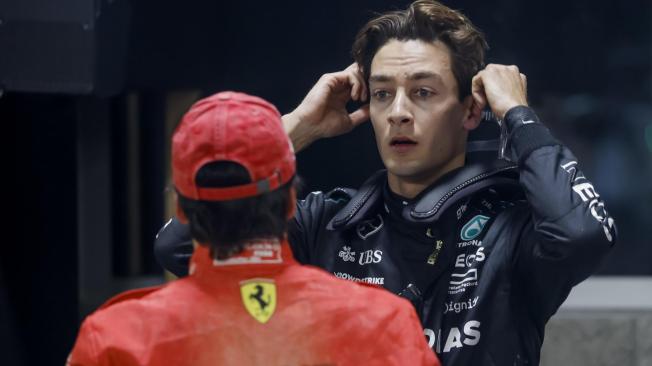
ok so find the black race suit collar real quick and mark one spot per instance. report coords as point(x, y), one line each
point(428, 206)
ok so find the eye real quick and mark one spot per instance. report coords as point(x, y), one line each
point(424, 93)
point(381, 94)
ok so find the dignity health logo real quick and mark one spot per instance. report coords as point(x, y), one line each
point(474, 227)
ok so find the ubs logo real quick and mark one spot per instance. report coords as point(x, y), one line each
point(364, 257)
point(370, 256)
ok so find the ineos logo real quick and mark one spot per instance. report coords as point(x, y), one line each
point(464, 260)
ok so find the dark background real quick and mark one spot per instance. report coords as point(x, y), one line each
point(89, 86)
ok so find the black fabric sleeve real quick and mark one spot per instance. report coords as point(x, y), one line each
point(568, 231)
point(526, 133)
point(173, 247)
point(310, 221)
point(303, 229)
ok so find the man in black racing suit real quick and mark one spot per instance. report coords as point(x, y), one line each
point(486, 249)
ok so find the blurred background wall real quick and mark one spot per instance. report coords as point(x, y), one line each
point(93, 89)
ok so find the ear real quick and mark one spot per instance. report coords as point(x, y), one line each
point(472, 113)
point(292, 207)
point(181, 216)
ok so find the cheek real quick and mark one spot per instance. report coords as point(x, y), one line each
point(379, 132)
point(435, 137)
point(442, 119)
point(438, 130)
point(377, 121)
point(374, 112)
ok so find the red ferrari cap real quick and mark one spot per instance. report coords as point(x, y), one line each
point(232, 127)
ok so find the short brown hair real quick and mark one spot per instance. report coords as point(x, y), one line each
point(227, 226)
point(428, 21)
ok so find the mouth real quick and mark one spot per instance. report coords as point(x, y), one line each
point(402, 144)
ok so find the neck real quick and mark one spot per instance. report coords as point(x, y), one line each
point(411, 186)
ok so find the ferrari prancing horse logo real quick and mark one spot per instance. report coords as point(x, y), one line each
point(259, 298)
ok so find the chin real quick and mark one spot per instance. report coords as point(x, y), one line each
point(407, 170)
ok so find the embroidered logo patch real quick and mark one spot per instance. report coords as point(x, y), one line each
point(259, 298)
point(346, 254)
point(254, 253)
point(474, 227)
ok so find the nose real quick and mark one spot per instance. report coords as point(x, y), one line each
point(400, 111)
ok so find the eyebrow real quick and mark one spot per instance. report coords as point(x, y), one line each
point(419, 75)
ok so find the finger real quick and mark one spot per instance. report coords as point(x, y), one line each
point(344, 80)
point(360, 115)
point(363, 85)
point(477, 91)
point(352, 66)
point(338, 87)
point(355, 78)
point(524, 80)
point(476, 109)
point(355, 87)
point(362, 90)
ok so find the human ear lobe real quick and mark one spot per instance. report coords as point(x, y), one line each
point(472, 113)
